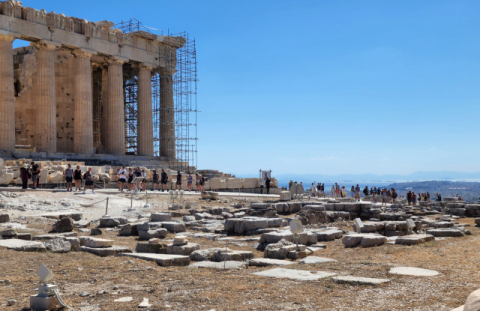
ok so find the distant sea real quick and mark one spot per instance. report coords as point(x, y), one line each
point(362, 183)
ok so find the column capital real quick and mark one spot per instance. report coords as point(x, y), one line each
point(6, 38)
point(146, 66)
point(167, 71)
point(83, 53)
point(116, 60)
point(47, 45)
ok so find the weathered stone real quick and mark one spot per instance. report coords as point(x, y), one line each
point(96, 231)
point(151, 234)
point(58, 245)
point(4, 218)
point(414, 239)
point(24, 246)
point(174, 227)
point(24, 236)
point(328, 235)
point(452, 232)
point(203, 254)
point(229, 265)
point(161, 217)
point(162, 259)
point(8, 234)
point(299, 275)
point(315, 260)
point(473, 301)
point(355, 280)
point(413, 271)
point(63, 225)
point(74, 242)
point(232, 255)
point(106, 251)
point(154, 248)
point(264, 262)
point(182, 249)
point(99, 243)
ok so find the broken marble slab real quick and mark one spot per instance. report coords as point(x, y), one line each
point(220, 265)
point(299, 275)
point(413, 271)
point(23, 245)
point(161, 259)
point(315, 259)
point(349, 279)
point(264, 262)
point(106, 251)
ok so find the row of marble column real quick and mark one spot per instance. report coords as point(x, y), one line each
point(113, 114)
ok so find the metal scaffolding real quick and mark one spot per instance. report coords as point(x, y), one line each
point(184, 64)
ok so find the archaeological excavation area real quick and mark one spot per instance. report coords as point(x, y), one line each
point(227, 251)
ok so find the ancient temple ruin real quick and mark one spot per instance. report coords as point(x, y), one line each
point(89, 89)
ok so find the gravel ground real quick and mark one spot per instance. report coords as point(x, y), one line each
point(184, 288)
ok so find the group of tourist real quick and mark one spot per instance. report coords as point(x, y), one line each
point(159, 182)
point(412, 197)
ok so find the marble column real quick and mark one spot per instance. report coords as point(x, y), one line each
point(145, 114)
point(7, 95)
point(115, 110)
point(83, 118)
point(103, 122)
point(167, 115)
point(46, 105)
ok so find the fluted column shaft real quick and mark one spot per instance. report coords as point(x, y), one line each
point(83, 118)
point(115, 110)
point(167, 115)
point(7, 95)
point(46, 108)
point(145, 115)
point(103, 122)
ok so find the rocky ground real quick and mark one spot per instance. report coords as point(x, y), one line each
point(89, 283)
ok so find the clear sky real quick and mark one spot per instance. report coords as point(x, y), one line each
point(327, 87)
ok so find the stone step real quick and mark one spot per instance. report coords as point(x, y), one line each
point(107, 251)
point(23, 245)
point(162, 259)
point(265, 262)
point(355, 280)
point(299, 275)
point(220, 265)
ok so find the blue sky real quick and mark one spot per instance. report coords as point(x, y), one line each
point(326, 87)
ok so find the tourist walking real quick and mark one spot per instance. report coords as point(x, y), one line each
point(333, 191)
point(357, 192)
point(337, 190)
point(290, 184)
point(384, 196)
point(122, 178)
point(77, 178)
point(202, 183)
point(352, 192)
point(267, 184)
point(197, 185)
point(131, 177)
point(414, 198)
point(164, 179)
point(344, 192)
point(155, 180)
point(179, 181)
point(68, 175)
point(394, 196)
point(35, 174)
point(261, 186)
point(24, 174)
point(143, 186)
point(88, 181)
point(313, 189)
point(189, 182)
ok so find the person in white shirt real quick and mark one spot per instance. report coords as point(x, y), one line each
point(334, 191)
point(261, 186)
point(122, 178)
point(313, 190)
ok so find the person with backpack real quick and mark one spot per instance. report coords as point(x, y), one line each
point(155, 180)
point(68, 175)
point(77, 177)
point(164, 179)
point(88, 181)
